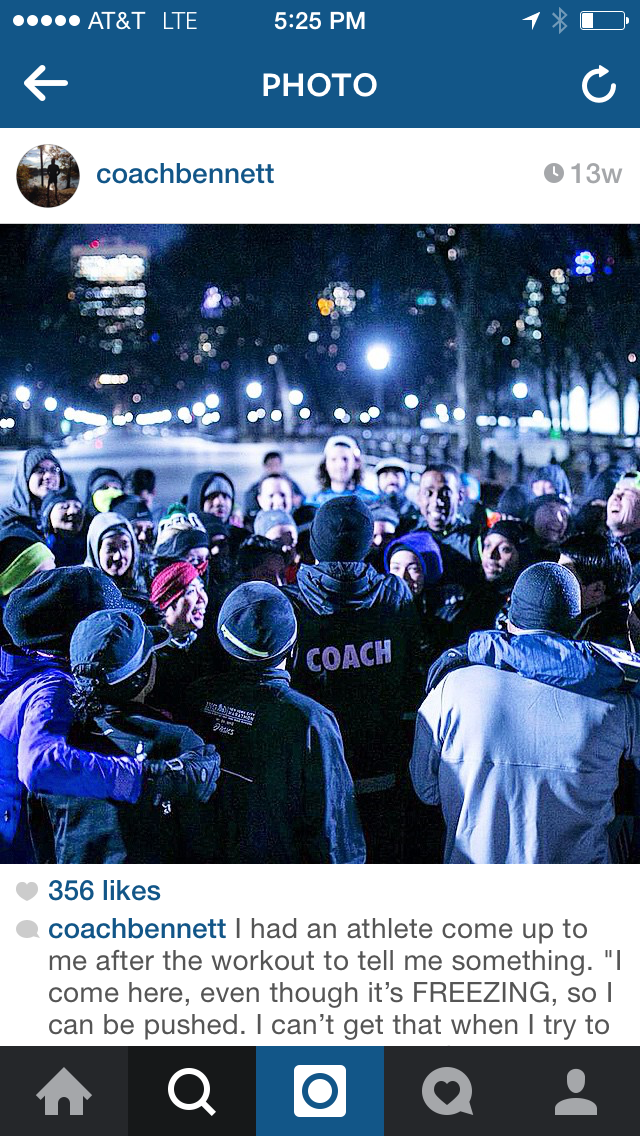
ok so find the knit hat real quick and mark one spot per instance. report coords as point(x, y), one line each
point(342, 440)
point(514, 501)
point(342, 529)
point(56, 497)
point(257, 624)
point(43, 613)
point(133, 509)
point(21, 552)
point(520, 535)
point(427, 550)
point(218, 484)
point(171, 583)
point(114, 645)
point(267, 519)
point(546, 597)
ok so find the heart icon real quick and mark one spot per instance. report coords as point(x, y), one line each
point(27, 891)
point(446, 1090)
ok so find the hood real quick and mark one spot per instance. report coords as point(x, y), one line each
point(100, 474)
point(21, 499)
point(199, 484)
point(17, 666)
point(328, 588)
point(586, 668)
point(98, 529)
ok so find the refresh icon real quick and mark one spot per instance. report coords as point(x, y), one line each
point(600, 72)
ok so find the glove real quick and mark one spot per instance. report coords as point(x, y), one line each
point(192, 777)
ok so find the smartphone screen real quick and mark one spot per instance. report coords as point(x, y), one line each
point(319, 567)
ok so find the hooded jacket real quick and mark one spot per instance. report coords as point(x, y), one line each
point(101, 474)
point(291, 800)
point(35, 754)
point(195, 503)
point(103, 831)
point(132, 586)
point(22, 504)
point(522, 748)
point(358, 642)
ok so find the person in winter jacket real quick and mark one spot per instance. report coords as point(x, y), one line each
point(179, 595)
point(603, 569)
point(416, 558)
point(112, 547)
point(112, 657)
point(358, 645)
point(549, 517)
point(62, 519)
point(22, 554)
point(551, 480)
point(212, 498)
point(104, 486)
point(393, 477)
point(285, 794)
point(623, 517)
point(340, 473)
point(522, 747)
point(36, 754)
point(37, 474)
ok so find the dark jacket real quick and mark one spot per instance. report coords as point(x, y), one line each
point(35, 751)
point(22, 504)
point(607, 625)
point(358, 645)
point(212, 524)
point(632, 545)
point(105, 832)
point(292, 799)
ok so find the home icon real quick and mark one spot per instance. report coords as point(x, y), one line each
point(63, 1085)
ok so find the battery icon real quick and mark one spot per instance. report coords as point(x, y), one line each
point(603, 21)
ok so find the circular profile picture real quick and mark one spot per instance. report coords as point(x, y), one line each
point(48, 176)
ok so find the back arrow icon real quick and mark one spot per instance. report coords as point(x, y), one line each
point(33, 82)
point(601, 72)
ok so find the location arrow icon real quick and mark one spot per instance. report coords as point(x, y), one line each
point(33, 82)
point(534, 20)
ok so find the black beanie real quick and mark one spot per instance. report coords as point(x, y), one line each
point(55, 497)
point(257, 624)
point(14, 539)
point(546, 597)
point(43, 613)
point(133, 508)
point(342, 529)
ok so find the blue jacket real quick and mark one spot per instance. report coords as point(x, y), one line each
point(525, 762)
point(35, 720)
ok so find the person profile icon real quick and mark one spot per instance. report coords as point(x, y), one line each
point(576, 1106)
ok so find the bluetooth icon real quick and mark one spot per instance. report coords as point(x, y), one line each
point(561, 23)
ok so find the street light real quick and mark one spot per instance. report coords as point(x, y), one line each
point(520, 390)
point(459, 414)
point(23, 394)
point(212, 401)
point(276, 416)
point(304, 412)
point(253, 389)
point(50, 404)
point(411, 401)
point(198, 409)
point(378, 357)
point(296, 397)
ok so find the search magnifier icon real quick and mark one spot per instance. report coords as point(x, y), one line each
point(203, 1102)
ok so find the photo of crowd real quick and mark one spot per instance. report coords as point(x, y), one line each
point(358, 657)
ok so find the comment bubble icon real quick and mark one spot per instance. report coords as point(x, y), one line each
point(27, 929)
point(443, 1103)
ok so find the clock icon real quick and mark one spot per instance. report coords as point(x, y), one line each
point(554, 173)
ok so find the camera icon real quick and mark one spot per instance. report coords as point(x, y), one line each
point(320, 1090)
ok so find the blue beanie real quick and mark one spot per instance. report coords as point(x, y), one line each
point(546, 597)
point(257, 624)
